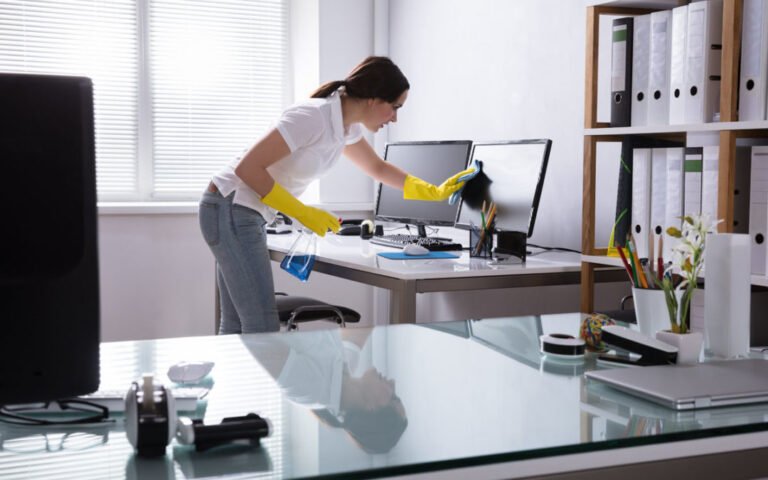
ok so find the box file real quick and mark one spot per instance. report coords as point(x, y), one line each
point(677, 65)
point(702, 60)
point(758, 208)
point(741, 189)
point(621, 72)
point(641, 42)
point(658, 193)
point(674, 202)
point(754, 60)
point(659, 64)
point(641, 198)
point(692, 166)
point(709, 182)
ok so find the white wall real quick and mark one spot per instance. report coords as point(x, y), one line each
point(481, 70)
point(495, 70)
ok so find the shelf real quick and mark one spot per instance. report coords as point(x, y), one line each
point(652, 4)
point(667, 129)
point(758, 280)
point(602, 260)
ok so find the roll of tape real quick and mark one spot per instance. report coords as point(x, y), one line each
point(562, 344)
point(366, 229)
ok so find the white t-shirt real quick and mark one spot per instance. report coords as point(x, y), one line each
point(315, 134)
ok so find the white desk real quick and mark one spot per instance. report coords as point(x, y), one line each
point(357, 260)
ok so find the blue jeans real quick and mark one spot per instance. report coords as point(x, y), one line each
point(238, 239)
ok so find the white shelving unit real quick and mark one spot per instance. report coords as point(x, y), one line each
point(728, 130)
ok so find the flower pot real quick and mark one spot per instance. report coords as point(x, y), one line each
point(688, 345)
point(651, 311)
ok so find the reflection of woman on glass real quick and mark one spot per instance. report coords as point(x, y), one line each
point(324, 373)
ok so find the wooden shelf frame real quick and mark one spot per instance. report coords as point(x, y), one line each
point(729, 130)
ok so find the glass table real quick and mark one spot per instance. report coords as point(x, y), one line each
point(474, 396)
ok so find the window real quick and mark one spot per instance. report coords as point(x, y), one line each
point(181, 87)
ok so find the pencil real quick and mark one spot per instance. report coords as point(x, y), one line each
point(660, 258)
point(626, 265)
point(636, 283)
point(638, 267)
point(651, 256)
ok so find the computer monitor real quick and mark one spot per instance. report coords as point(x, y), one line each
point(49, 284)
point(516, 170)
point(433, 162)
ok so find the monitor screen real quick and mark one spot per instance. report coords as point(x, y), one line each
point(433, 162)
point(49, 284)
point(516, 170)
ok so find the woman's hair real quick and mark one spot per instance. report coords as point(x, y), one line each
point(375, 431)
point(374, 77)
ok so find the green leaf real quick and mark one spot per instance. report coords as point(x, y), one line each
point(674, 232)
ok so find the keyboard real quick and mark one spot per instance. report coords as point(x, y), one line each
point(432, 244)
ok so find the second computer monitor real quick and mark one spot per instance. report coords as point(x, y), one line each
point(516, 170)
point(433, 162)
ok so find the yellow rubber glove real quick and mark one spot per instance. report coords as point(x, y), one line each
point(417, 189)
point(315, 219)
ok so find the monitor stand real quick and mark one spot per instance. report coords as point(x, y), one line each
point(422, 230)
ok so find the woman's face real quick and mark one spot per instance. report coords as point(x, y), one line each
point(378, 390)
point(381, 112)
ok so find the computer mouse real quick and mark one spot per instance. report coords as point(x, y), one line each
point(413, 249)
point(189, 372)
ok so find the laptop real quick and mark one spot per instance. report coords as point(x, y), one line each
point(689, 387)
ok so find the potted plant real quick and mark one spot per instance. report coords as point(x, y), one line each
point(688, 260)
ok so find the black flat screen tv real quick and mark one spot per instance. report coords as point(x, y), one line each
point(49, 282)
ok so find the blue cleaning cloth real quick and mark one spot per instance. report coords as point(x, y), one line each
point(402, 256)
point(478, 167)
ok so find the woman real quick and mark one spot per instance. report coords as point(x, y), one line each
point(306, 141)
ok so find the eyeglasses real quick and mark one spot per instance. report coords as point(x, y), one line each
point(67, 412)
point(22, 440)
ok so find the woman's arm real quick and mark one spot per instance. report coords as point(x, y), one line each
point(369, 162)
point(252, 168)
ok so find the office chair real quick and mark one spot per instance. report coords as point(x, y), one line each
point(293, 309)
point(623, 314)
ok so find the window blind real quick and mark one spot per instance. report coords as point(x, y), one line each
point(181, 87)
point(92, 38)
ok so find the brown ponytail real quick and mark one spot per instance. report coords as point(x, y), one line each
point(374, 77)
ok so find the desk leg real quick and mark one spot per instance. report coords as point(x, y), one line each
point(402, 303)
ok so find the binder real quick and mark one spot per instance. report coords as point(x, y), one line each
point(658, 193)
point(641, 43)
point(623, 222)
point(621, 72)
point(702, 61)
point(758, 208)
point(674, 202)
point(692, 167)
point(660, 59)
point(709, 176)
point(641, 198)
point(677, 65)
point(754, 60)
point(741, 189)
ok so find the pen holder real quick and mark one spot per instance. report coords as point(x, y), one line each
point(480, 243)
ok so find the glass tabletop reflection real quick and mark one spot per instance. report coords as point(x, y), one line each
point(372, 401)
